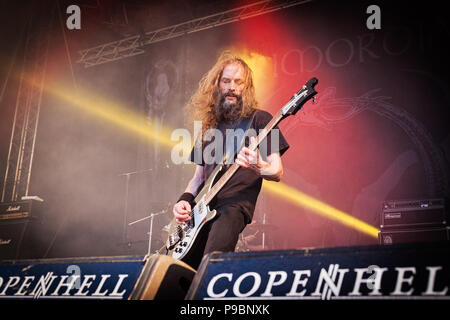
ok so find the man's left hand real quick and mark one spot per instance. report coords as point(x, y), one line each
point(272, 169)
point(251, 159)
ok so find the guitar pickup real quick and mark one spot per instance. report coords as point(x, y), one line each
point(190, 223)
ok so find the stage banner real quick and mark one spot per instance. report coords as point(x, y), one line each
point(406, 271)
point(74, 278)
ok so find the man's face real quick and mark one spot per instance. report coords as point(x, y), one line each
point(231, 84)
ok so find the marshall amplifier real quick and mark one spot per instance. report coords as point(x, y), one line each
point(16, 220)
point(413, 213)
point(15, 210)
point(393, 236)
point(12, 234)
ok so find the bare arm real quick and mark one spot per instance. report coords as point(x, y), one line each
point(196, 181)
point(182, 209)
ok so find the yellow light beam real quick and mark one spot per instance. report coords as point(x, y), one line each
point(303, 200)
point(113, 112)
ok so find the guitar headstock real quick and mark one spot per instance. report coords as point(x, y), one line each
point(300, 98)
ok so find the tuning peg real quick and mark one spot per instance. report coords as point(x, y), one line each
point(313, 100)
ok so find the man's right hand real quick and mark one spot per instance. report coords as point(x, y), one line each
point(181, 211)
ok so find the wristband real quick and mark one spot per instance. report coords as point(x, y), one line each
point(189, 197)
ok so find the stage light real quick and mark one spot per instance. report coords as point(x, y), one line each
point(113, 112)
point(316, 206)
point(263, 69)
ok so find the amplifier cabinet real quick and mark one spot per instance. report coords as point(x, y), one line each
point(413, 213)
point(11, 238)
point(19, 229)
point(413, 235)
point(16, 210)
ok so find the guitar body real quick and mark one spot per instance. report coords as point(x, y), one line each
point(183, 238)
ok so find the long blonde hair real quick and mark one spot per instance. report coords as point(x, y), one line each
point(201, 105)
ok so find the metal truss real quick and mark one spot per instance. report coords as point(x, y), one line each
point(133, 45)
point(23, 137)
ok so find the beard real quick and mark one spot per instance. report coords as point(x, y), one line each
point(228, 110)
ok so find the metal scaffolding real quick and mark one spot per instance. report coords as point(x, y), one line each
point(132, 46)
point(26, 116)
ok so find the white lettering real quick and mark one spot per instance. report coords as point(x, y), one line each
point(431, 281)
point(87, 282)
point(401, 279)
point(13, 281)
point(100, 286)
point(272, 282)
point(298, 281)
point(116, 292)
point(69, 284)
point(213, 281)
point(237, 284)
point(43, 285)
point(25, 284)
point(373, 282)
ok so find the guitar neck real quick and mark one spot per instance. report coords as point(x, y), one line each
point(234, 167)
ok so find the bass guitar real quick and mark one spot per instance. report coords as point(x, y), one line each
point(182, 238)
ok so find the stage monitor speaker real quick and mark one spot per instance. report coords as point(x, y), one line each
point(163, 278)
